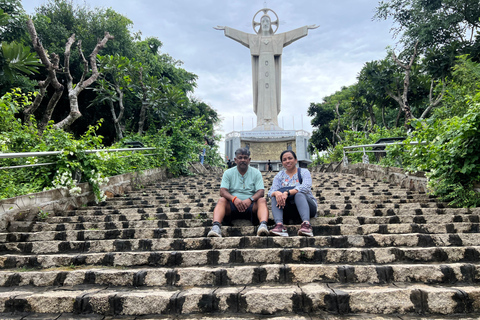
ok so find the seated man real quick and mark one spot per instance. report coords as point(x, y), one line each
point(241, 195)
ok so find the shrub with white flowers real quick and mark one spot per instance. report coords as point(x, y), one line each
point(65, 180)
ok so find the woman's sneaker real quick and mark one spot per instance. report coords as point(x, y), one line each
point(279, 230)
point(306, 230)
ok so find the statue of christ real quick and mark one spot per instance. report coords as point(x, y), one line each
point(266, 49)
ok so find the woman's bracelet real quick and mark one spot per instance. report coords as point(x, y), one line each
point(233, 200)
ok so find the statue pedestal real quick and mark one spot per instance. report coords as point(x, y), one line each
point(267, 145)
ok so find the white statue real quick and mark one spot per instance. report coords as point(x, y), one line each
point(266, 49)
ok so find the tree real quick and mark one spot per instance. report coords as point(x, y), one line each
point(401, 96)
point(12, 21)
point(372, 84)
point(163, 65)
point(73, 90)
point(117, 74)
point(327, 118)
point(443, 28)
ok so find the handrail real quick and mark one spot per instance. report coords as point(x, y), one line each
point(364, 151)
point(51, 153)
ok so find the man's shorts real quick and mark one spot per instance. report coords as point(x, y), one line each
point(235, 214)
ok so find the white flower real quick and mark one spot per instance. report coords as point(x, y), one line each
point(75, 191)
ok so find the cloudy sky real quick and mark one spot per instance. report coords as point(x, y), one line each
point(313, 67)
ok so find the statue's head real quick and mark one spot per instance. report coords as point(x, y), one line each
point(266, 24)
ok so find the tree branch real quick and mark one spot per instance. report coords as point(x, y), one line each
point(66, 61)
point(85, 62)
point(406, 83)
point(74, 93)
point(433, 103)
point(52, 66)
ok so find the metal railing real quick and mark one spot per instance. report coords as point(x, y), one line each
point(365, 158)
point(52, 153)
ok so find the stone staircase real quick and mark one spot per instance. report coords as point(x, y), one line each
point(379, 252)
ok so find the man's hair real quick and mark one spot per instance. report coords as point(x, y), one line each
point(242, 151)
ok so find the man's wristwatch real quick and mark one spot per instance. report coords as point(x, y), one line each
point(288, 193)
point(251, 199)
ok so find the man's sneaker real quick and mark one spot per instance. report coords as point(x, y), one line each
point(279, 230)
point(262, 230)
point(305, 230)
point(215, 232)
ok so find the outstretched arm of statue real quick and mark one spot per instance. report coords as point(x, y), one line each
point(237, 35)
point(313, 26)
point(219, 28)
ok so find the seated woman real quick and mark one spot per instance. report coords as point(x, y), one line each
point(292, 188)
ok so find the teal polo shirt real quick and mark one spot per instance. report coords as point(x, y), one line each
point(244, 186)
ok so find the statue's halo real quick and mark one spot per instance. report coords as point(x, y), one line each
point(265, 11)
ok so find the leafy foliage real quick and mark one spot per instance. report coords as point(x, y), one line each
point(352, 138)
point(450, 156)
point(463, 87)
point(175, 145)
point(18, 58)
point(438, 100)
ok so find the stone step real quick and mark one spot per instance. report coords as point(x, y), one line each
point(243, 242)
point(199, 232)
point(368, 216)
point(450, 273)
point(205, 219)
point(459, 216)
point(253, 300)
point(347, 209)
point(131, 223)
point(221, 316)
point(130, 215)
point(351, 210)
point(200, 219)
point(151, 203)
point(216, 257)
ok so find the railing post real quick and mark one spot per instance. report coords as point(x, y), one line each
point(345, 159)
point(365, 157)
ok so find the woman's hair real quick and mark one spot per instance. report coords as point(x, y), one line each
point(293, 153)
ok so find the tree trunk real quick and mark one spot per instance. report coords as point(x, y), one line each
point(51, 66)
point(42, 89)
point(403, 100)
point(74, 92)
point(433, 103)
point(383, 117)
point(398, 116)
point(143, 110)
point(372, 115)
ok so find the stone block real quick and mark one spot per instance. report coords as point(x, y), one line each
point(144, 302)
point(270, 300)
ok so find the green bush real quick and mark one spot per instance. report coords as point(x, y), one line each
point(176, 144)
point(355, 138)
point(450, 157)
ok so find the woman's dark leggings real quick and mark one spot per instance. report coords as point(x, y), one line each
point(306, 208)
